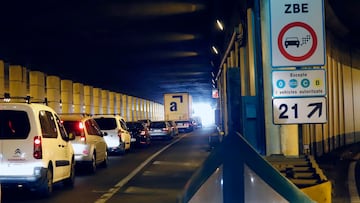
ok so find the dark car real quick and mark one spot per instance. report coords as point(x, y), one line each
point(185, 126)
point(140, 133)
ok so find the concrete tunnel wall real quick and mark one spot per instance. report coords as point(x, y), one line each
point(66, 96)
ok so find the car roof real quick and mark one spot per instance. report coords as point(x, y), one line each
point(74, 117)
point(33, 106)
point(107, 116)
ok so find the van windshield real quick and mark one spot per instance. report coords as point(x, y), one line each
point(14, 124)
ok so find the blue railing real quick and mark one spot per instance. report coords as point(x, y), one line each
point(245, 177)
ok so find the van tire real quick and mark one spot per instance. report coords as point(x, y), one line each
point(104, 164)
point(92, 168)
point(46, 187)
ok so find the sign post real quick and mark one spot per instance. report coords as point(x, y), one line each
point(297, 33)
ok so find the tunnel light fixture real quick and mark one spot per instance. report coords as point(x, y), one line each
point(215, 50)
point(219, 25)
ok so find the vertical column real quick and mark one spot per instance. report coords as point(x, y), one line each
point(162, 112)
point(152, 110)
point(112, 102)
point(88, 99)
point(136, 108)
point(37, 86)
point(125, 107)
point(17, 82)
point(272, 134)
point(67, 96)
point(53, 92)
point(78, 98)
point(97, 100)
point(118, 104)
point(142, 109)
point(105, 102)
point(131, 108)
point(2, 78)
point(156, 111)
point(148, 110)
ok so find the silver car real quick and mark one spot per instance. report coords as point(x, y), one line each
point(161, 130)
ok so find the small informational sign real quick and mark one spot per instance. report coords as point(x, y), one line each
point(299, 110)
point(299, 83)
point(297, 33)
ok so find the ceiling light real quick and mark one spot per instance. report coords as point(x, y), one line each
point(215, 50)
point(220, 25)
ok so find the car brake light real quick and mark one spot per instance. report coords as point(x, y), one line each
point(81, 126)
point(165, 129)
point(37, 147)
point(119, 135)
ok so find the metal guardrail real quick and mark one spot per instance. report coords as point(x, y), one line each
point(235, 154)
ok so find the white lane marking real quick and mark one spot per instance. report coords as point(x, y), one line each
point(172, 163)
point(141, 190)
point(122, 182)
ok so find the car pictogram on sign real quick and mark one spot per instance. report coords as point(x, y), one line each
point(292, 41)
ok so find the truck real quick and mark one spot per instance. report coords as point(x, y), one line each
point(177, 106)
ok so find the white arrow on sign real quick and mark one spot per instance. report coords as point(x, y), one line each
point(299, 110)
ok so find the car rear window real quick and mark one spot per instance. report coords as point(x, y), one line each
point(157, 125)
point(74, 127)
point(134, 125)
point(14, 124)
point(106, 123)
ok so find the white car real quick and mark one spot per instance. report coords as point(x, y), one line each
point(89, 144)
point(35, 151)
point(116, 134)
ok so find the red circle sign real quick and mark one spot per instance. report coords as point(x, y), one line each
point(306, 55)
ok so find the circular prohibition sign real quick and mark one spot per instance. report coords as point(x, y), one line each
point(306, 55)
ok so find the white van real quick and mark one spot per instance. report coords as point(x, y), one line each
point(35, 151)
point(116, 134)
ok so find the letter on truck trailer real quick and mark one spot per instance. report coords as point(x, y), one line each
point(177, 106)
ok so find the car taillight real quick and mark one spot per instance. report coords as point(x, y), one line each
point(142, 132)
point(81, 127)
point(119, 135)
point(37, 147)
point(165, 129)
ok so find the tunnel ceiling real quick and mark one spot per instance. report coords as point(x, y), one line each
point(141, 48)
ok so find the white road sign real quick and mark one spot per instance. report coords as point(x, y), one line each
point(297, 32)
point(299, 83)
point(299, 110)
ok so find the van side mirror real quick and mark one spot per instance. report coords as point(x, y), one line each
point(71, 136)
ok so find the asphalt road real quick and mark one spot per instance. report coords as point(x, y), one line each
point(157, 173)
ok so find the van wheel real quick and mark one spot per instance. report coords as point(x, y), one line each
point(104, 164)
point(69, 182)
point(92, 168)
point(122, 149)
point(46, 187)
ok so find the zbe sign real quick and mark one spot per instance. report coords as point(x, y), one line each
point(297, 33)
